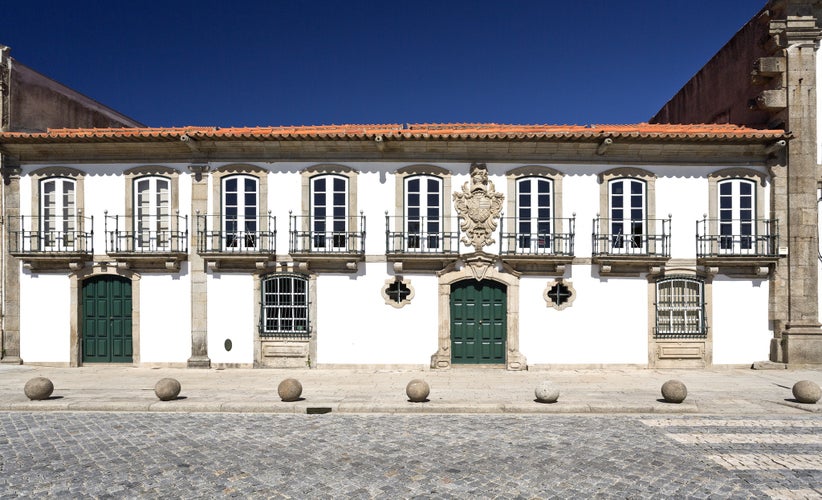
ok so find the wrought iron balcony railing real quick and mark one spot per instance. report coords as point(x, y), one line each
point(234, 234)
point(326, 235)
point(421, 236)
point(637, 237)
point(737, 238)
point(146, 235)
point(535, 236)
point(51, 235)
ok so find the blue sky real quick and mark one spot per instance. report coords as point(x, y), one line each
point(248, 63)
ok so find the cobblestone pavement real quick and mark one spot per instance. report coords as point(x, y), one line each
point(205, 455)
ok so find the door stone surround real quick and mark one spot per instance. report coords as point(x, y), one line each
point(479, 266)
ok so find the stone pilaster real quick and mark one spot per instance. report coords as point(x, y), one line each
point(11, 273)
point(796, 280)
point(199, 286)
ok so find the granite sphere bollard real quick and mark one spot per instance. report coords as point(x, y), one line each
point(674, 391)
point(807, 391)
point(38, 388)
point(290, 389)
point(167, 389)
point(547, 392)
point(417, 391)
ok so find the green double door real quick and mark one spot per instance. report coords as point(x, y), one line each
point(107, 320)
point(478, 322)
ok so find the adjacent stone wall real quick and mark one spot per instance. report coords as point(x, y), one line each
point(723, 91)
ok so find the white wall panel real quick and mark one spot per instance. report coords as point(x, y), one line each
point(45, 318)
point(165, 318)
point(355, 325)
point(686, 200)
point(607, 322)
point(741, 332)
point(231, 316)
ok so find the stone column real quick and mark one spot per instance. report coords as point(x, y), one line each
point(199, 286)
point(11, 272)
point(801, 335)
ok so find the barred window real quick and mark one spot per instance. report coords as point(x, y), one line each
point(284, 306)
point(680, 308)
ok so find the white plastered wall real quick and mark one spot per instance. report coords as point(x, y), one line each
point(606, 323)
point(355, 325)
point(231, 316)
point(165, 318)
point(45, 338)
point(741, 332)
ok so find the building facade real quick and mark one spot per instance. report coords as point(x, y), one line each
point(394, 245)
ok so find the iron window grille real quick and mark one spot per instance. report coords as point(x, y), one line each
point(680, 308)
point(284, 307)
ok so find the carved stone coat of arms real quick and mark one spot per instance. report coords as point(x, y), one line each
point(479, 206)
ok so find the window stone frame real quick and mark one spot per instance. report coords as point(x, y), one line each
point(514, 175)
point(422, 170)
point(389, 301)
point(715, 178)
point(135, 174)
point(549, 302)
point(221, 173)
point(42, 174)
point(634, 173)
point(285, 352)
point(680, 353)
point(309, 173)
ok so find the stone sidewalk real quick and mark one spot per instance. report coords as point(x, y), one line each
point(459, 390)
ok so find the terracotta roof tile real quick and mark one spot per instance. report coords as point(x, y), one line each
point(417, 131)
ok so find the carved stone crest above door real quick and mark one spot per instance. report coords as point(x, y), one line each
point(479, 206)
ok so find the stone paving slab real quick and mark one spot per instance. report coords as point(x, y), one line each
point(486, 391)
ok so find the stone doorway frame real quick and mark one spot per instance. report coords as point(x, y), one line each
point(76, 280)
point(479, 266)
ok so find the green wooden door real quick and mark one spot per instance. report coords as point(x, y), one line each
point(478, 322)
point(107, 320)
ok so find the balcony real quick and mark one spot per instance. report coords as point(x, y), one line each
point(229, 241)
point(631, 246)
point(737, 246)
point(147, 243)
point(536, 245)
point(327, 243)
point(421, 243)
point(52, 242)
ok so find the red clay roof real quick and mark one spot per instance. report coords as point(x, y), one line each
point(422, 131)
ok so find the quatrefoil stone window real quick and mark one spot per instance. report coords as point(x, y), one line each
point(397, 292)
point(559, 294)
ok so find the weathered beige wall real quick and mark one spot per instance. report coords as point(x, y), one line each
point(37, 103)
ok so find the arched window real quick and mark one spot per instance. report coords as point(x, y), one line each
point(534, 214)
point(152, 213)
point(680, 308)
point(58, 214)
point(423, 212)
point(240, 211)
point(737, 209)
point(284, 306)
point(329, 212)
point(627, 210)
